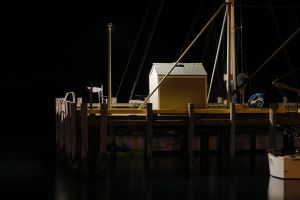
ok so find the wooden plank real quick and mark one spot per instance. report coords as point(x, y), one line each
point(161, 123)
point(127, 122)
point(212, 122)
point(239, 110)
point(173, 123)
point(251, 121)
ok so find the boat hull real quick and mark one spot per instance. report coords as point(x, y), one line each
point(285, 167)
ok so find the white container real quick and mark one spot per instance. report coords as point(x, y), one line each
point(287, 166)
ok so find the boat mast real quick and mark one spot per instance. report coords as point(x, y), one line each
point(230, 77)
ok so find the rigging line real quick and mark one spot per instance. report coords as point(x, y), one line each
point(146, 50)
point(286, 75)
point(281, 40)
point(196, 17)
point(134, 45)
point(221, 70)
point(241, 38)
point(266, 6)
point(294, 14)
point(217, 54)
point(183, 54)
point(277, 50)
point(205, 48)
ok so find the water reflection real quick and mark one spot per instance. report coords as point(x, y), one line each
point(126, 178)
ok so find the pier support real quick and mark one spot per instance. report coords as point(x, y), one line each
point(232, 131)
point(149, 136)
point(191, 132)
point(60, 126)
point(273, 123)
point(73, 135)
point(68, 130)
point(103, 138)
point(84, 136)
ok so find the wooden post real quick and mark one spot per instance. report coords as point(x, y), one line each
point(68, 129)
point(273, 123)
point(253, 140)
point(232, 131)
point(190, 134)
point(149, 136)
point(91, 96)
point(57, 121)
point(103, 137)
point(73, 134)
point(84, 132)
point(62, 134)
point(73, 130)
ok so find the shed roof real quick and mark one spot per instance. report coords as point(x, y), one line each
point(185, 69)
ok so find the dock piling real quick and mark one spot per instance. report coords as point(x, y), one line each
point(191, 132)
point(273, 123)
point(232, 131)
point(103, 138)
point(149, 135)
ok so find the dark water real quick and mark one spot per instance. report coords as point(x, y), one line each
point(29, 170)
point(126, 178)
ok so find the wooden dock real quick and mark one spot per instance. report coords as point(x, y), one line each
point(76, 122)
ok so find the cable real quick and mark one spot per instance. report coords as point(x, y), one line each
point(134, 45)
point(277, 50)
point(286, 75)
point(281, 40)
point(195, 19)
point(146, 50)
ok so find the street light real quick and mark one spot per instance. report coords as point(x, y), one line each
point(109, 65)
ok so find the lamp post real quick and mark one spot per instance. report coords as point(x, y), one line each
point(109, 65)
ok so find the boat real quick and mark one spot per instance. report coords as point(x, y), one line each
point(285, 167)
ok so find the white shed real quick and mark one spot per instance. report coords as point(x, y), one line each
point(187, 83)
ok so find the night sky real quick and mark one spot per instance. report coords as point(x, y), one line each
point(49, 48)
point(62, 45)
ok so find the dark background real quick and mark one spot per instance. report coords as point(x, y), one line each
point(49, 48)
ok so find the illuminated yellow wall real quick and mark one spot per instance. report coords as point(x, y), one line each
point(177, 91)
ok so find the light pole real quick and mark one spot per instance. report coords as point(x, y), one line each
point(109, 65)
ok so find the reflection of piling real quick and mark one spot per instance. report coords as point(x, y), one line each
point(101, 158)
point(191, 133)
point(232, 132)
point(84, 139)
